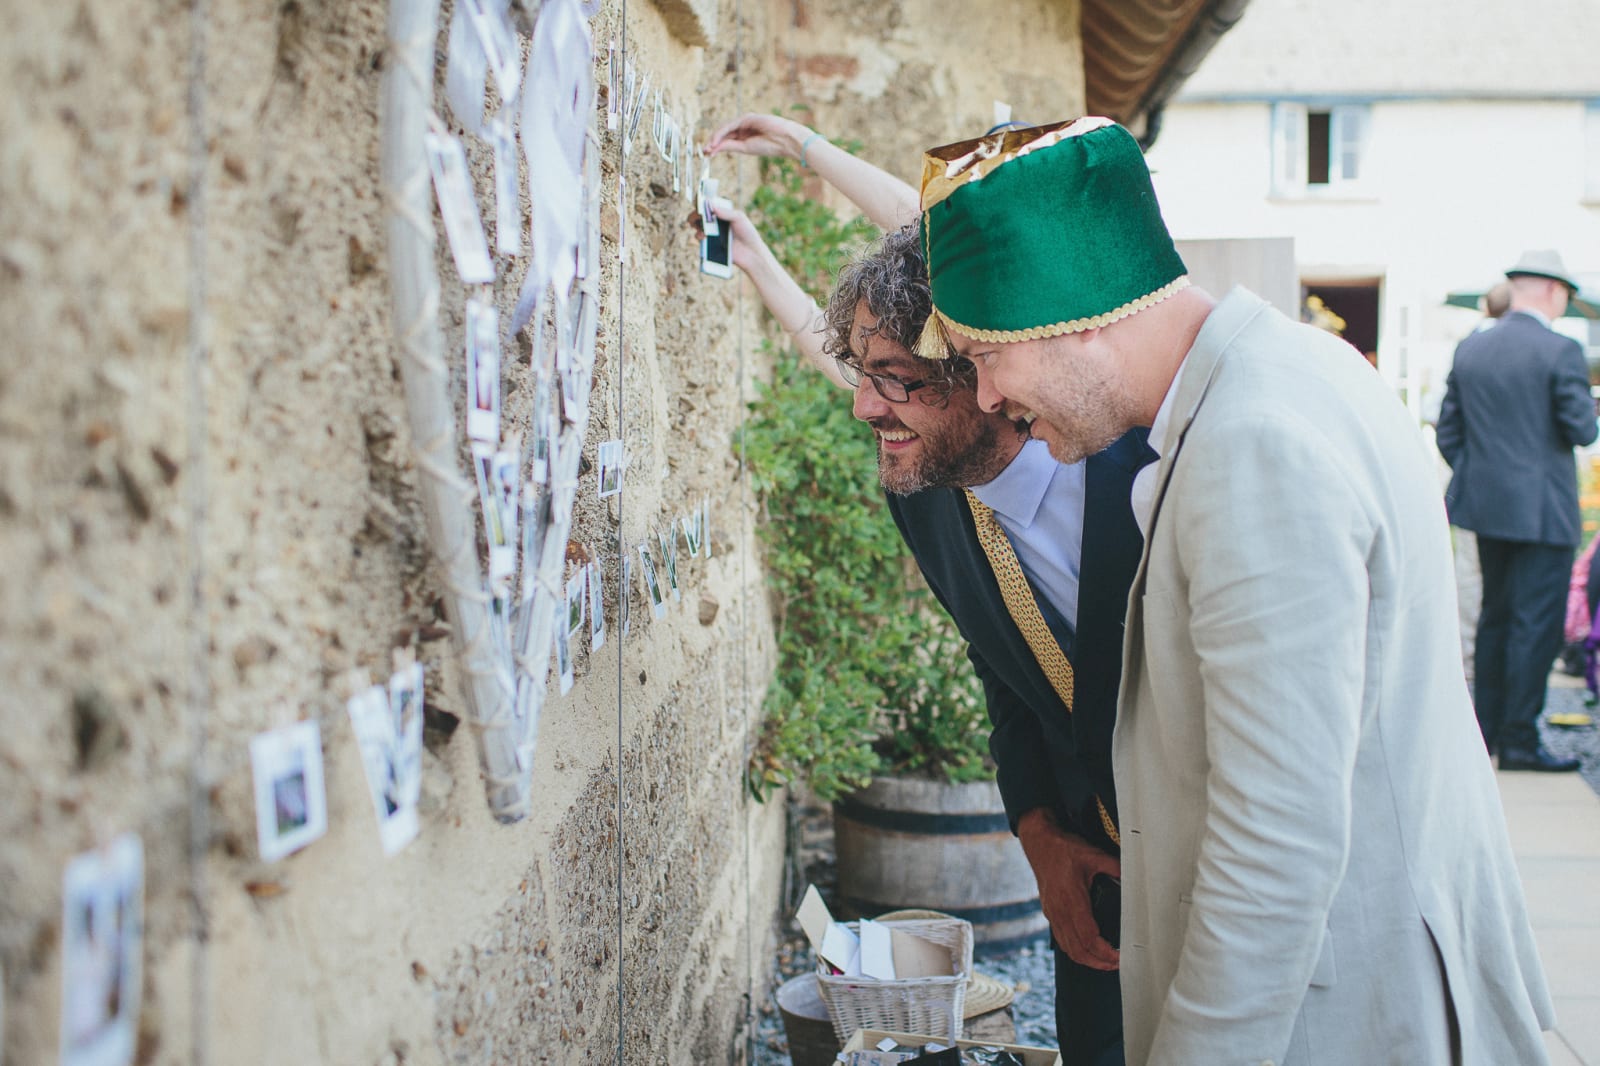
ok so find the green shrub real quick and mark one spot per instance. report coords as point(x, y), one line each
point(871, 674)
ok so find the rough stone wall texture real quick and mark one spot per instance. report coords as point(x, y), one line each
point(480, 943)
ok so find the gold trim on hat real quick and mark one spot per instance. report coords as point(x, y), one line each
point(934, 345)
point(947, 168)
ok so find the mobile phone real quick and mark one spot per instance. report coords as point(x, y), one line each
point(1105, 902)
point(716, 254)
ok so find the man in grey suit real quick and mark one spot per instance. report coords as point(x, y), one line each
point(1516, 403)
point(1315, 864)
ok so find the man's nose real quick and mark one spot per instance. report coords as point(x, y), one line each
point(989, 398)
point(868, 404)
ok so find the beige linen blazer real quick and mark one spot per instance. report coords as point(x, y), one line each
point(1315, 861)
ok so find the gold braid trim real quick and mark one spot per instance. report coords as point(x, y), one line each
point(1055, 329)
point(1024, 610)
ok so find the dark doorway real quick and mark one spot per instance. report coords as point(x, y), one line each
point(1356, 302)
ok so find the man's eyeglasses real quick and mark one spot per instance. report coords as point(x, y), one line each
point(889, 387)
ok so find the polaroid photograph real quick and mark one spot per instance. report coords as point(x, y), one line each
point(612, 86)
point(625, 600)
point(482, 329)
point(466, 73)
point(597, 607)
point(507, 199)
point(708, 192)
point(495, 532)
point(564, 655)
point(668, 542)
point(575, 593)
point(652, 584)
point(610, 468)
point(504, 483)
point(385, 755)
point(564, 476)
point(493, 26)
point(458, 206)
point(589, 210)
point(291, 802)
point(705, 525)
point(102, 949)
point(544, 425)
point(691, 532)
point(405, 711)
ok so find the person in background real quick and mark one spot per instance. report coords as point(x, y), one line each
point(1516, 403)
point(1031, 558)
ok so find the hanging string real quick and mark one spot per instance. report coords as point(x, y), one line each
point(622, 550)
point(199, 698)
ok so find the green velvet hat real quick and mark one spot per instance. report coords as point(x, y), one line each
point(1042, 231)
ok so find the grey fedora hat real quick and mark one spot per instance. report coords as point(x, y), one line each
point(1543, 263)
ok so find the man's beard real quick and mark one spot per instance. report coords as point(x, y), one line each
point(945, 459)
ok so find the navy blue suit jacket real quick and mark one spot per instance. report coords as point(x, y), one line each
point(1516, 403)
point(1046, 756)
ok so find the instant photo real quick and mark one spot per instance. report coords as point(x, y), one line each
point(102, 949)
point(669, 558)
point(504, 483)
point(452, 183)
point(625, 601)
point(597, 613)
point(575, 590)
point(610, 468)
point(691, 532)
point(385, 755)
point(564, 655)
point(291, 802)
point(502, 554)
point(507, 202)
point(483, 371)
point(652, 584)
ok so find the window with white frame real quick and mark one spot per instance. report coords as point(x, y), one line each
point(1591, 152)
point(1318, 149)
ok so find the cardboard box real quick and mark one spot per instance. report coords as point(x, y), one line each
point(865, 1039)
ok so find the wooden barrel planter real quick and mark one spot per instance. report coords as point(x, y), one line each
point(908, 843)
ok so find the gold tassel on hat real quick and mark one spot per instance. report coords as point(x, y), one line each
point(933, 343)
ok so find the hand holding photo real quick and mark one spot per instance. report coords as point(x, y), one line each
point(102, 951)
point(291, 802)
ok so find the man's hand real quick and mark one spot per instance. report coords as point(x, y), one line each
point(759, 135)
point(1064, 864)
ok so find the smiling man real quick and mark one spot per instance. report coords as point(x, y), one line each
point(1315, 862)
point(1031, 558)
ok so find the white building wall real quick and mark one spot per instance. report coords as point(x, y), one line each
point(1452, 192)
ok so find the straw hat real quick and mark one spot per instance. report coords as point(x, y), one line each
point(1543, 263)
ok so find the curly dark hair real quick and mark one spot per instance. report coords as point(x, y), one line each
point(892, 278)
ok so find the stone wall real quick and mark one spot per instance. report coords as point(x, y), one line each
point(194, 558)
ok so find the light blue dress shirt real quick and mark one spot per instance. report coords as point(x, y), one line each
point(1039, 504)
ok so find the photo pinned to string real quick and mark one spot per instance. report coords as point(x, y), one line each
point(589, 232)
point(482, 329)
point(576, 325)
point(393, 770)
point(597, 609)
point(612, 86)
point(466, 72)
point(610, 468)
point(692, 531)
point(491, 22)
point(102, 953)
point(507, 485)
point(557, 98)
point(458, 207)
point(669, 557)
point(502, 549)
point(705, 525)
point(502, 138)
point(291, 800)
point(564, 654)
point(636, 102)
point(652, 583)
point(577, 587)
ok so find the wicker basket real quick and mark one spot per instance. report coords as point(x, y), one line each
point(929, 1005)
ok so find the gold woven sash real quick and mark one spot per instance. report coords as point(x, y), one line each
point(1014, 589)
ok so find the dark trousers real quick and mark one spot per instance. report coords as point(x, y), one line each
point(1519, 635)
point(1088, 1014)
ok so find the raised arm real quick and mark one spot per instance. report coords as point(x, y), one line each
point(796, 312)
point(889, 202)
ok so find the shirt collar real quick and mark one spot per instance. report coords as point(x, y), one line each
point(1158, 428)
point(1536, 314)
point(1018, 490)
